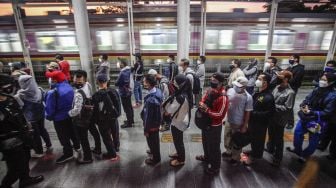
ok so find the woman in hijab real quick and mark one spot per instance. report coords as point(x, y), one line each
point(178, 106)
point(30, 97)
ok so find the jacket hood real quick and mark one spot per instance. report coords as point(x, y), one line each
point(29, 90)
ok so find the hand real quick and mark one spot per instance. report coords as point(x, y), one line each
point(203, 107)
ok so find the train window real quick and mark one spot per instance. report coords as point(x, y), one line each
point(225, 39)
point(258, 40)
point(211, 39)
point(315, 38)
point(326, 40)
point(10, 42)
point(4, 43)
point(158, 39)
point(56, 41)
point(283, 40)
point(112, 40)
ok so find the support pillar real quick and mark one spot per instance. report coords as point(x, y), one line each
point(183, 31)
point(274, 10)
point(332, 47)
point(24, 42)
point(131, 30)
point(84, 38)
point(203, 27)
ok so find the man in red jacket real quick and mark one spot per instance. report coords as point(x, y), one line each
point(215, 104)
point(64, 65)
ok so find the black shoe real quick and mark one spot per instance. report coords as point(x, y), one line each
point(84, 161)
point(211, 171)
point(96, 151)
point(269, 151)
point(64, 158)
point(117, 149)
point(292, 150)
point(301, 160)
point(331, 157)
point(226, 155)
point(31, 181)
point(276, 162)
point(126, 125)
point(321, 147)
point(289, 126)
point(152, 162)
point(108, 156)
point(234, 162)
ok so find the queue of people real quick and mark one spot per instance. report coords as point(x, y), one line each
point(248, 103)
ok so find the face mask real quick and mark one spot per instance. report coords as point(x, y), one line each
point(258, 84)
point(232, 67)
point(100, 60)
point(323, 83)
point(329, 69)
point(213, 85)
point(78, 86)
point(118, 65)
point(199, 62)
point(238, 89)
point(168, 60)
point(291, 61)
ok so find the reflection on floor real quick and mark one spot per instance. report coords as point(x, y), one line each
point(131, 170)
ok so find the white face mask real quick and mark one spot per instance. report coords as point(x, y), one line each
point(199, 62)
point(118, 65)
point(100, 60)
point(323, 83)
point(259, 84)
point(168, 60)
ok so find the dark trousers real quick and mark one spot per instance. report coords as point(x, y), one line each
point(115, 133)
point(40, 131)
point(327, 136)
point(178, 143)
point(105, 132)
point(128, 109)
point(153, 141)
point(258, 136)
point(211, 140)
point(332, 147)
point(66, 133)
point(17, 161)
point(95, 134)
point(84, 141)
point(275, 142)
point(291, 115)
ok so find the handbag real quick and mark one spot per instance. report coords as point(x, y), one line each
point(316, 126)
point(202, 120)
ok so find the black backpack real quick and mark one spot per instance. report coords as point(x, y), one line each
point(87, 110)
point(196, 83)
point(111, 106)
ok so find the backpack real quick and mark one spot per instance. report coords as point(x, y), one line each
point(173, 70)
point(107, 109)
point(85, 115)
point(196, 83)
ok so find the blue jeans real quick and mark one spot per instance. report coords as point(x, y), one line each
point(299, 133)
point(137, 91)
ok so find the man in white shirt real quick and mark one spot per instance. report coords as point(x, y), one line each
point(200, 73)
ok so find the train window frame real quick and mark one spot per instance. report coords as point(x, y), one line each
point(157, 42)
point(57, 43)
point(118, 43)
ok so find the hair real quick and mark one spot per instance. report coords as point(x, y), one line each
point(171, 56)
point(104, 57)
point(150, 79)
point(59, 56)
point(237, 62)
point(287, 74)
point(185, 62)
point(274, 60)
point(266, 77)
point(123, 61)
point(332, 62)
point(296, 56)
point(80, 74)
point(202, 58)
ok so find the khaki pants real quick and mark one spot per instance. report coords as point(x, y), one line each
point(228, 132)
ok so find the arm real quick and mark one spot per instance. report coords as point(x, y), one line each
point(152, 118)
point(266, 110)
point(297, 78)
point(120, 80)
point(78, 104)
point(287, 105)
point(200, 71)
point(218, 110)
point(329, 108)
point(250, 72)
point(246, 120)
point(50, 109)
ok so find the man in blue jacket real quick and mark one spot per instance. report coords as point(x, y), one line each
point(58, 103)
point(151, 116)
point(124, 83)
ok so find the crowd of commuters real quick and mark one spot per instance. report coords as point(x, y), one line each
point(250, 104)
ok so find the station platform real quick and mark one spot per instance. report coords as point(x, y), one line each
point(131, 171)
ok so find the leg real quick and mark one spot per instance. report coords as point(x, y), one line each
point(154, 145)
point(37, 146)
point(140, 92)
point(64, 137)
point(326, 138)
point(95, 134)
point(290, 124)
point(214, 147)
point(258, 143)
point(234, 150)
point(279, 141)
point(227, 138)
point(127, 106)
point(105, 132)
point(313, 143)
point(44, 133)
point(136, 91)
point(83, 136)
point(298, 138)
point(115, 133)
point(205, 140)
point(272, 135)
point(73, 134)
point(332, 147)
point(178, 143)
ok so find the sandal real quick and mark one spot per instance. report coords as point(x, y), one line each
point(174, 155)
point(176, 163)
point(201, 158)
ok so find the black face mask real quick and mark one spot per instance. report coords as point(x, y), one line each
point(291, 61)
point(78, 86)
point(213, 85)
point(232, 67)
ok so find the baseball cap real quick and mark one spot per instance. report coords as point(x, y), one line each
point(219, 76)
point(152, 72)
point(240, 82)
point(102, 78)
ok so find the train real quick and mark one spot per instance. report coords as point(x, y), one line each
point(228, 35)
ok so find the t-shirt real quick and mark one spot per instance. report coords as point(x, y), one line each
point(238, 104)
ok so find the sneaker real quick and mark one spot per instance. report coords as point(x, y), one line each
point(108, 156)
point(126, 125)
point(84, 161)
point(31, 181)
point(269, 151)
point(96, 151)
point(64, 159)
point(136, 105)
point(164, 128)
point(37, 155)
point(211, 171)
point(49, 149)
point(150, 161)
point(226, 155)
point(246, 159)
point(276, 162)
point(173, 155)
point(292, 150)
